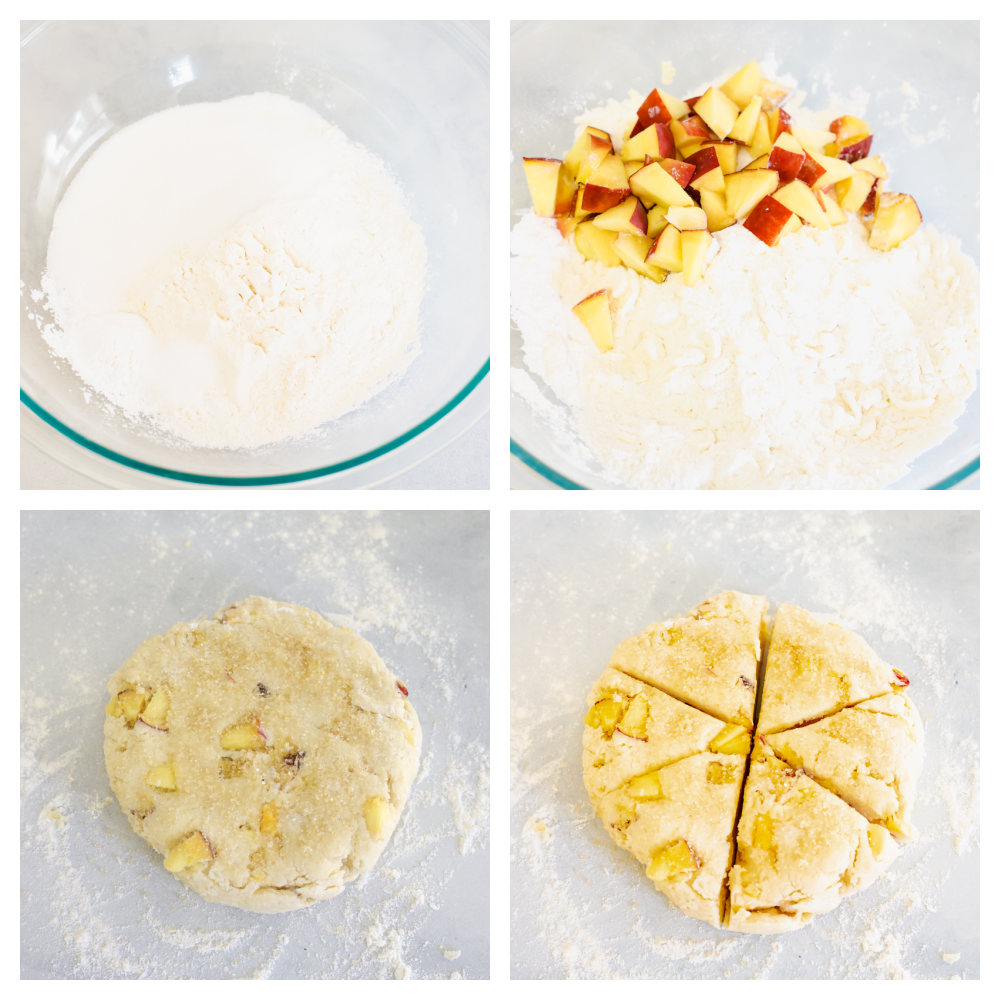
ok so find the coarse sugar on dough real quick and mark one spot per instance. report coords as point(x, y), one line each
point(799, 850)
point(870, 755)
point(708, 658)
point(672, 730)
point(307, 809)
point(819, 363)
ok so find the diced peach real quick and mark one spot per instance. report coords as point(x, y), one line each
point(162, 776)
point(744, 85)
point(714, 180)
point(575, 154)
point(852, 139)
point(654, 183)
point(803, 202)
point(685, 219)
point(595, 149)
point(188, 852)
point(596, 244)
point(689, 133)
point(810, 172)
point(655, 141)
point(896, 218)
point(155, 713)
point(680, 171)
point(854, 191)
point(761, 143)
point(767, 221)
point(727, 151)
point(243, 736)
point(633, 250)
point(628, 217)
point(772, 94)
point(567, 223)
point(695, 245)
point(659, 107)
point(718, 111)
point(746, 188)
point(834, 213)
point(551, 185)
point(787, 157)
point(778, 121)
point(656, 221)
point(594, 312)
point(746, 124)
point(874, 166)
point(714, 207)
point(606, 187)
point(666, 250)
point(834, 170)
point(794, 224)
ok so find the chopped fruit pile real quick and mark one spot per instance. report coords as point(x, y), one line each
point(687, 169)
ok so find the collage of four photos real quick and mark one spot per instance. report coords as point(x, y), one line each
point(460, 733)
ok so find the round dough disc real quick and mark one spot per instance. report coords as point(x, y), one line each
point(266, 753)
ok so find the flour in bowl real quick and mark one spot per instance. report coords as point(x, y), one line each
point(235, 273)
point(816, 363)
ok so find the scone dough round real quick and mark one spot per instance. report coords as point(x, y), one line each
point(330, 748)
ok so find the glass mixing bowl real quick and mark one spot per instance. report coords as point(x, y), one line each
point(923, 82)
point(414, 93)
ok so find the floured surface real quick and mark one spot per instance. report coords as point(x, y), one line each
point(818, 363)
point(906, 582)
point(97, 902)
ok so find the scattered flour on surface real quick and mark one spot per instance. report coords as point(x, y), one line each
point(98, 894)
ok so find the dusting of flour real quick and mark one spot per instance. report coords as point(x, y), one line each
point(222, 271)
point(96, 903)
point(819, 363)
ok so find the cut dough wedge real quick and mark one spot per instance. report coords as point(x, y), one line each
point(679, 821)
point(815, 669)
point(656, 730)
point(708, 659)
point(800, 849)
point(870, 755)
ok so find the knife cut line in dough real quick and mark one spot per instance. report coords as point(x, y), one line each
point(843, 678)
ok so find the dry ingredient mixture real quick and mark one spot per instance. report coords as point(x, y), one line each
point(95, 905)
point(581, 582)
point(818, 362)
point(234, 273)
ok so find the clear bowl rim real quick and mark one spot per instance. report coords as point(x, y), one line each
point(474, 50)
point(563, 482)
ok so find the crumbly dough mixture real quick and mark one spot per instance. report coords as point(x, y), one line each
point(311, 804)
point(816, 364)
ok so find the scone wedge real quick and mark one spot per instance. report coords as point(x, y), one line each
point(709, 658)
point(799, 850)
point(870, 755)
point(814, 669)
point(678, 821)
point(632, 728)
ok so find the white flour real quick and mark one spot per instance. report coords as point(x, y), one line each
point(583, 908)
point(235, 273)
point(819, 363)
